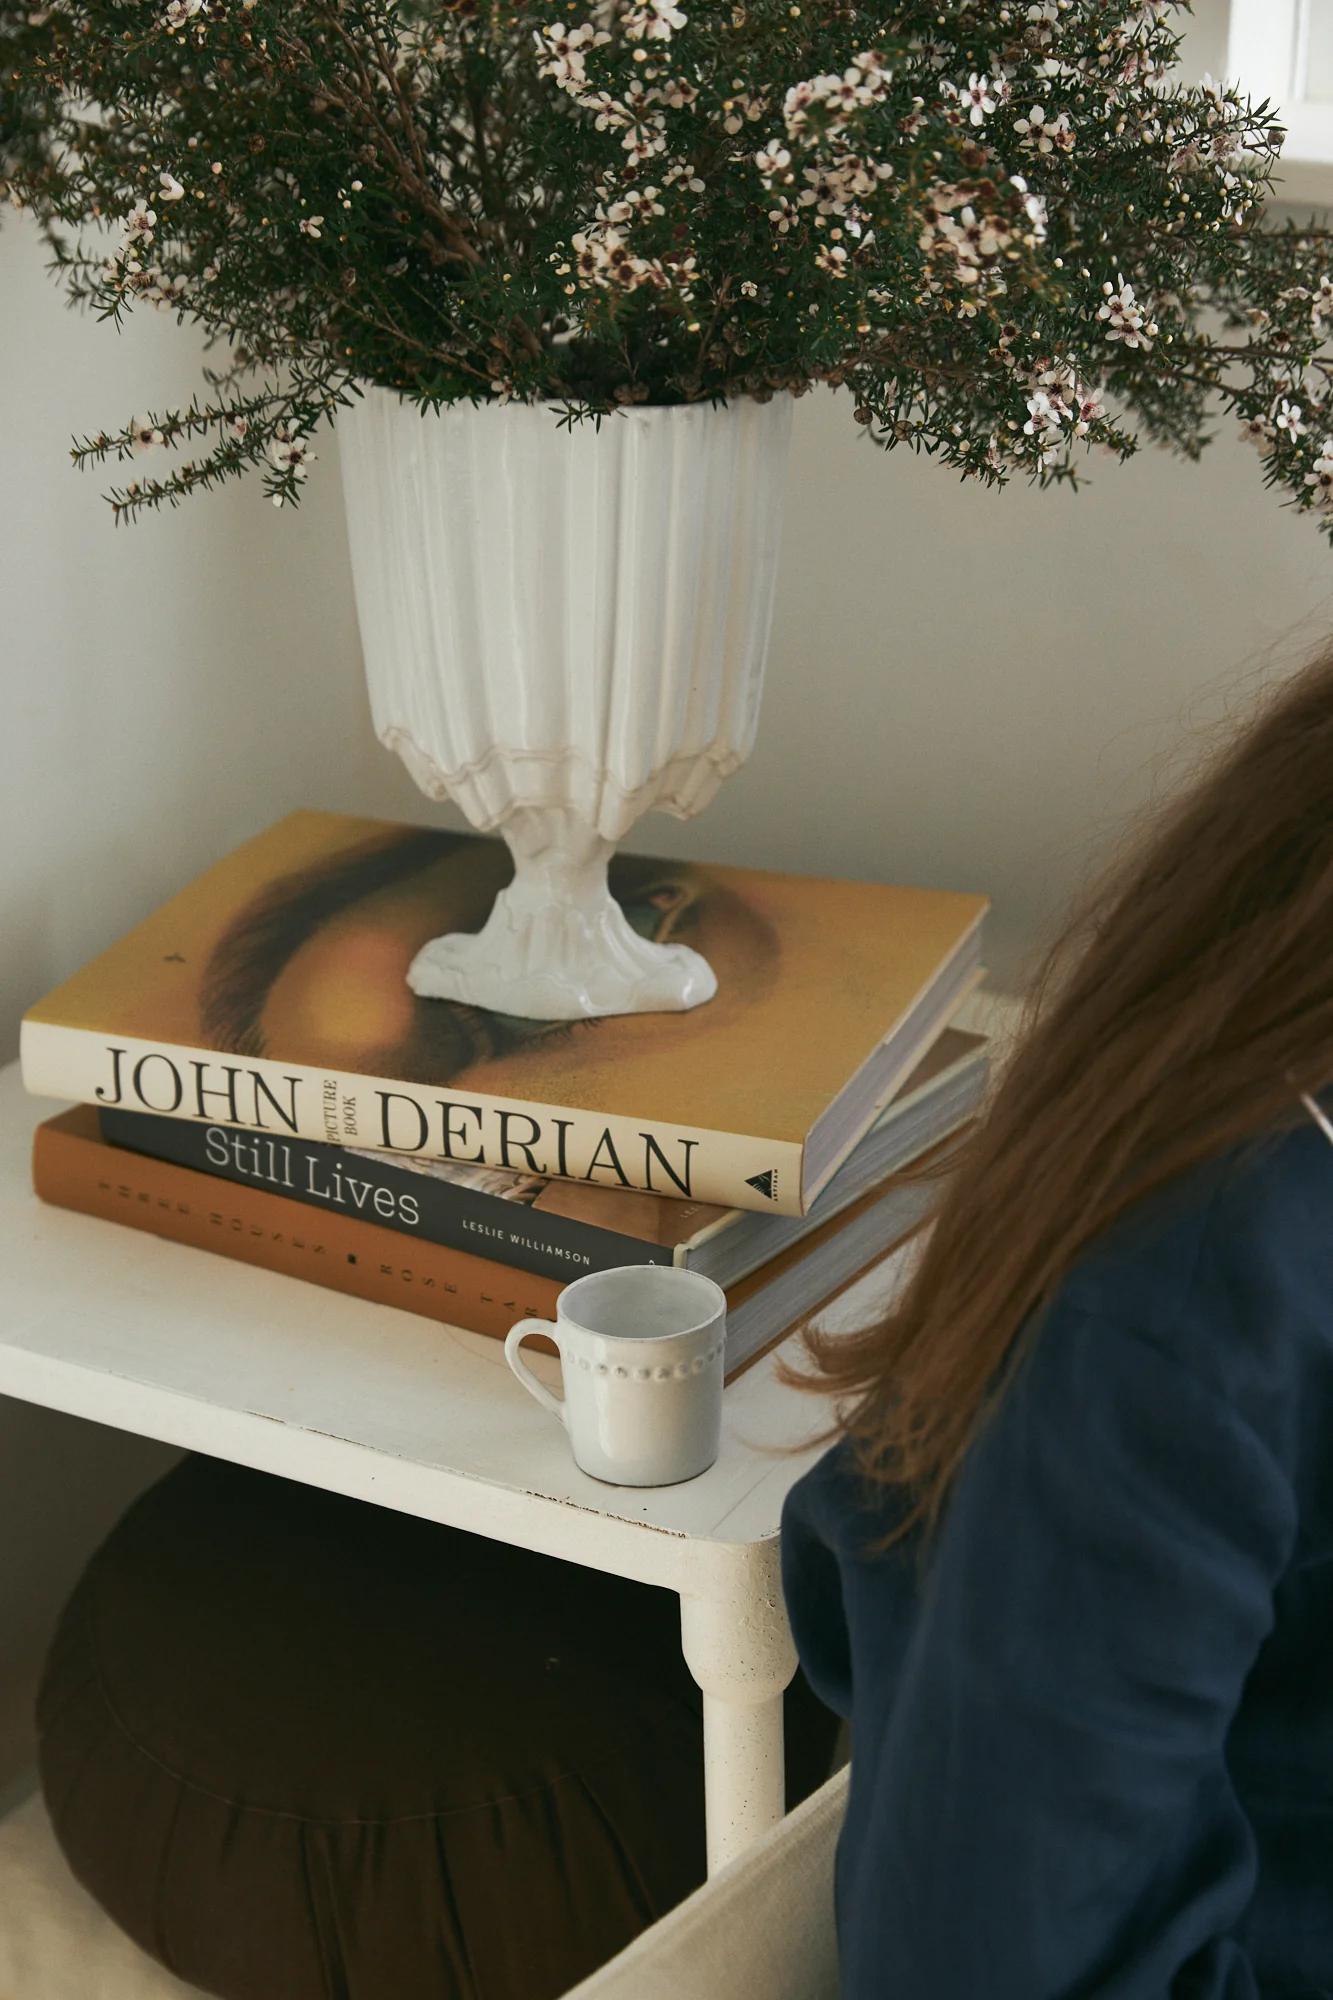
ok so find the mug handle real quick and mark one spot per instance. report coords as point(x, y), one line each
point(514, 1340)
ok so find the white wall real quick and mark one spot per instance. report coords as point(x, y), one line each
point(966, 688)
point(170, 685)
point(167, 689)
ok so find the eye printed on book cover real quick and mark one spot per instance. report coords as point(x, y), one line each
point(277, 955)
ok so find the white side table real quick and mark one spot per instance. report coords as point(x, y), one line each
point(212, 1356)
point(215, 1357)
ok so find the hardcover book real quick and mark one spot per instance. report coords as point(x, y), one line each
point(270, 996)
point(74, 1167)
point(563, 1229)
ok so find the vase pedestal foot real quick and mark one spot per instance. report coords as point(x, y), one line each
point(558, 947)
point(668, 979)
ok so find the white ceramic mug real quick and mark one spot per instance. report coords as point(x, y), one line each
point(641, 1357)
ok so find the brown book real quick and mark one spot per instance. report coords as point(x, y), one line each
point(271, 995)
point(74, 1167)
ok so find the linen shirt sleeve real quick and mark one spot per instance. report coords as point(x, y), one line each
point(1040, 1804)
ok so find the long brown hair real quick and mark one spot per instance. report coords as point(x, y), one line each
point(1184, 1008)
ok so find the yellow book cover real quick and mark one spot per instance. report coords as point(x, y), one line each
point(270, 994)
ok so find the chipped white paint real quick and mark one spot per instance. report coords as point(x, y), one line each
point(739, 1649)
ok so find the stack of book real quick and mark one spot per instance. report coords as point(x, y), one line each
point(253, 1076)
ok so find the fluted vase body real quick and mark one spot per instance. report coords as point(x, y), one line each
point(564, 628)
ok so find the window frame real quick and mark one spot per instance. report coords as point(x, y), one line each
point(1266, 54)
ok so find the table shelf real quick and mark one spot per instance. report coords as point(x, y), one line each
point(172, 1343)
point(154, 1337)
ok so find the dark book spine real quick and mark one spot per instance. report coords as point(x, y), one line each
point(375, 1190)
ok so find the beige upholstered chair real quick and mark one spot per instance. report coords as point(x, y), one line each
point(762, 1926)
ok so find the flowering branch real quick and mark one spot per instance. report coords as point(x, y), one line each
point(1004, 229)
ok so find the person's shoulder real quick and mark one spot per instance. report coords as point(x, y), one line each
point(837, 1507)
point(1226, 1273)
point(833, 1491)
point(1228, 1253)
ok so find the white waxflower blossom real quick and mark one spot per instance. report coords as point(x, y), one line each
point(1287, 421)
point(159, 289)
point(1320, 478)
point(563, 55)
point(974, 243)
point(139, 223)
point(611, 114)
point(772, 159)
point(740, 111)
point(1042, 415)
point(652, 21)
point(635, 204)
point(1124, 315)
point(1258, 432)
point(291, 453)
point(644, 141)
point(144, 434)
point(604, 259)
point(180, 11)
point(170, 188)
point(975, 236)
point(1057, 397)
point(1045, 135)
point(311, 225)
point(835, 99)
point(1034, 207)
point(838, 186)
point(978, 98)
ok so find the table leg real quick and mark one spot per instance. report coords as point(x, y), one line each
point(738, 1646)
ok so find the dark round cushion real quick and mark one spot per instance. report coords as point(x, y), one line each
point(302, 1748)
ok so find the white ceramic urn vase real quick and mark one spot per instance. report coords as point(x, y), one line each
point(564, 628)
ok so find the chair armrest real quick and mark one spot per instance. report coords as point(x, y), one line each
point(762, 1925)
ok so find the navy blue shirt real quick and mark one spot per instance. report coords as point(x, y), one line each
point(1092, 1735)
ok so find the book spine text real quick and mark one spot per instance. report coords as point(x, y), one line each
point(289, 1100)
point(377, 1190)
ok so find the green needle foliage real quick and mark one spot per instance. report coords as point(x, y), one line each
point(1005, 229)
